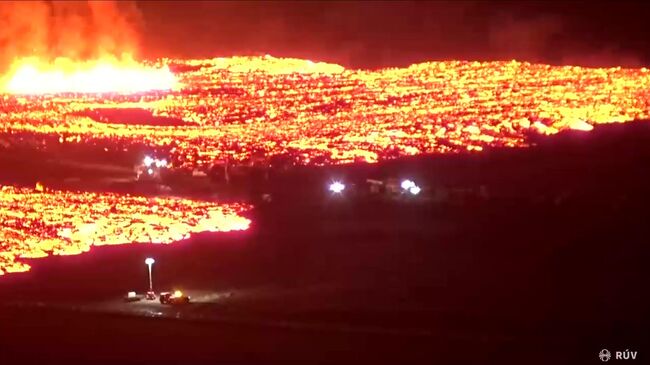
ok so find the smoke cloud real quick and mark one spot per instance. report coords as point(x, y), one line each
point(511, 37)
point(79, 30)
point(354, 34)
point(551, 39)
point(371, 34)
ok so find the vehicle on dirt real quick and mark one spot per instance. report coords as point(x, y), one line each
point(176, 297)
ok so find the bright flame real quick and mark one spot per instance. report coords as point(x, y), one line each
point(177, 294)
point(108, 75)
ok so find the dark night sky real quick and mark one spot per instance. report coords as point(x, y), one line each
point(384, 33)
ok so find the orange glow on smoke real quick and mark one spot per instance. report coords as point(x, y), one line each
point(38, 224)
point(319, 113)
point(63, 75)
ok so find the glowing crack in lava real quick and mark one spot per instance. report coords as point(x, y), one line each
point(107, 75)
point(318, 113)
point(37, 224)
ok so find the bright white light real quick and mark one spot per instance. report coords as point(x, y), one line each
point(407, 184)
point(337, 187)
point(148, 161)
point(149, 261)
point(150, 171)
point(160, 163)
point(415, 190)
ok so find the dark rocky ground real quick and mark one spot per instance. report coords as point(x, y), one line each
point(551, 269)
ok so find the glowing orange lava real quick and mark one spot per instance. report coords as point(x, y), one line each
point(38, 224)
point(319, 113)
point(109, 74)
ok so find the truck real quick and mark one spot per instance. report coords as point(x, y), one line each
point(177, 297)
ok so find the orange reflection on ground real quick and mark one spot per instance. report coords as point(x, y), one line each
point(38, 224)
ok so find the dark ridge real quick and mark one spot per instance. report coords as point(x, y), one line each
point(132, 116)
point(182, 68)
point(608, 160)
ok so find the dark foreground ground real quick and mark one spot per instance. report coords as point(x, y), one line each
point(492, 286)
point(520, 278)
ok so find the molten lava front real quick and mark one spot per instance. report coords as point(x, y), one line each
point(305, 112)
point(319, 113)
point(109, 75)
point(37, 224)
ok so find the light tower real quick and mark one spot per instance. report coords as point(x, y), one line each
point(149, 261)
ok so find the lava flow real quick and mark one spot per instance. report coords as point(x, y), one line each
point(318, 113)
point(106, 75)
point(41, 223)
point(314, 113)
